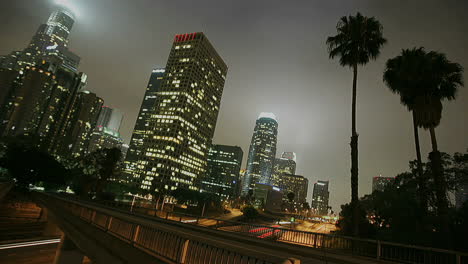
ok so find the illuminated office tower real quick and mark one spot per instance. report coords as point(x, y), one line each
point(320, 198)
point(49, 42)
point(223, 175)
point(284, 165)
point(142, 131)
point(39, 101)
point(184, 120)
point(80, 124)
point(296, 184)
point(262, 152)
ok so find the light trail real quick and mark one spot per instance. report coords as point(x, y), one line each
point(30, 243)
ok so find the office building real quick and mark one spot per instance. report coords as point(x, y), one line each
point(83, 119)
point(320, 198)
point(268, 197)
point(296, 184)
point(284, 165)
point(142, 131)
point(379, 183)
point(184, 119)
point(222, 177)
point(106, 134)
point(262, 152)
point(38, 101)
point(49, 43)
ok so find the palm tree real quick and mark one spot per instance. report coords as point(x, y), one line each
point(403, 75)
point(358, 40)
point(444, 79)
point(423, 80)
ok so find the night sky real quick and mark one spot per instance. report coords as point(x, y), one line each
point(278, 62)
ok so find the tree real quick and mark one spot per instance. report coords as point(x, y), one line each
point(29, 165)
point(403, 75)
point(358, 40)
point(444, 78)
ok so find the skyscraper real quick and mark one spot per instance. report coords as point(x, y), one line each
point(107, 132)
point(320, 197)
point(142, 130)
point(262, 152)
point(49, 42)
point(38, 103)
point(185, 114)
point(284, 165)
point(39, 100)
point(379, 183)
point(80, 124)
point(223, 174)
point(296, 184)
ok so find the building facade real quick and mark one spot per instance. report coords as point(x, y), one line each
point(320, 198)
point(142, 131)
point(281, 167)
point(223, 174)
point(39, 100)
point(296, 184)
point(268, 197)
point(106, 134)
point(80, 125)
point(262, 152)
point(184, 120)
point(379, 183)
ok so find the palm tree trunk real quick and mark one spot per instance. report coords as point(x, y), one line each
point(441, 189)
point(354, 158)
point(421, 176)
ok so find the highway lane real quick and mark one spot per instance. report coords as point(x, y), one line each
point(41, 251)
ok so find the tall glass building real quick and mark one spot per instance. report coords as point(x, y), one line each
point(284, 165)
point(142, 130)
point(38, 102)
point(262, 152)
point(83, 119)
point(184, 119)
point(320, 197)
point(222, 177)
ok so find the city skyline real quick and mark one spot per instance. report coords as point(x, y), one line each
point(384, 126)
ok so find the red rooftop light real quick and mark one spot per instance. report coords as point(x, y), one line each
point(184, 37)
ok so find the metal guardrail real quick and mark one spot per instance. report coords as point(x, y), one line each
point(379, 250)
point(172, 248)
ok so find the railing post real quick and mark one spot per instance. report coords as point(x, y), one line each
point(198, 218)
point(183, 253)
point(292, 261)
point(109, 222)
point(136, 232)
point(167, 215)
point(458, 256)
point(379, 249)
point(217, 223)
point(315, 240)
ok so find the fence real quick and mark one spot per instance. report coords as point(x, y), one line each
point(375, 249)
point(171, 247)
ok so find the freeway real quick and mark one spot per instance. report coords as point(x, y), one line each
point(38, 251)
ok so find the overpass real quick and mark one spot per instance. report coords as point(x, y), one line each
point(115, 235)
